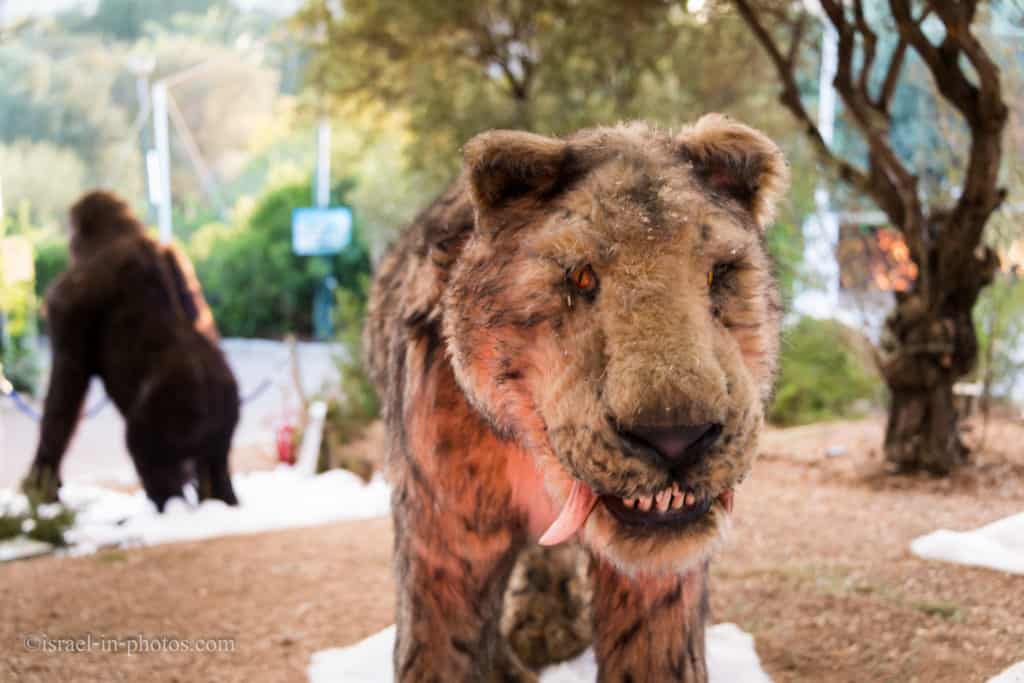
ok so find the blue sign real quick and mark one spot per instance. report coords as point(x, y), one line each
point(316, 232)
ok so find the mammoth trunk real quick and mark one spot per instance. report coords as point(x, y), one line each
point(926, 349)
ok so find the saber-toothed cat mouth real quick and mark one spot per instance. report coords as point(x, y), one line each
point(671, 508)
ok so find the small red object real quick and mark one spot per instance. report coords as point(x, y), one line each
point(286, 444)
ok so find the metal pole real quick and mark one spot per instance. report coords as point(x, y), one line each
point(206, 177)
point(323, 163)
point(828, 220)
point(821, 229)
point(163, 150)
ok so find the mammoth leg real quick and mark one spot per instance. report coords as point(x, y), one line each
point(162, 482)
point(162, 475)
point(212, 469)
point(69, 382)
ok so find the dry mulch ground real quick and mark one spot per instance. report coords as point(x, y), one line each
point(818, 569)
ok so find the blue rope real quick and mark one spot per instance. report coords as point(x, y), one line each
point(95, 410)
point(255, 393)
point(25, 408)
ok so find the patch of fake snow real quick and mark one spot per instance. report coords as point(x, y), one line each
point(999, 545)
point(731, 659)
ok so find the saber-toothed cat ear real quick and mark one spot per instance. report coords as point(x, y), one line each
point(504, 165)
point(738, 162)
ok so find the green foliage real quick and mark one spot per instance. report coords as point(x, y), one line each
point(40, 521)
point(38, 164)
point(70, 99)
point(786, 245)
point(19, 361)
point(438, 73)
point(10, 525)
point(49, 522)
point(127, 20)
point(255, 284)
point(999, 321)
point(550, 66)
point(360, 397)
point(825, 373)
point(51, 255)
point(71, 89)
point(357, 404)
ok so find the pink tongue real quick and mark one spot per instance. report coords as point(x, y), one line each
point(574, 513)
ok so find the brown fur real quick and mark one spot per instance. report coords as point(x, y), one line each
point(131, 311)
point(502, 383)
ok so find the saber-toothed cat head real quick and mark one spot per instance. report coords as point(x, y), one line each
point(614, 310)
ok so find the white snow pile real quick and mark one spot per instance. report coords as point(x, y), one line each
point(999, 545)
point(1015, 674)
point(731, 659)
point(20, 547)
point(273, 499)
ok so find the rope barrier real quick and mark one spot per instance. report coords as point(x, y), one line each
point(255, 393)
point(28, 410)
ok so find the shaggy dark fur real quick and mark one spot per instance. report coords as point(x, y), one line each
point(131, 312)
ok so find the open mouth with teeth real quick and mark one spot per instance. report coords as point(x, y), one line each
point(670, 508)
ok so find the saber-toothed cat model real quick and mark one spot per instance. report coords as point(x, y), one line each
point(576, 340)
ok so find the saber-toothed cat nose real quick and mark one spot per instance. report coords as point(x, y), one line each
point(677, 443)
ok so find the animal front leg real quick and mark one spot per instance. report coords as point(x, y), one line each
point(451, 583)
point(650, 628)
point(69, 382)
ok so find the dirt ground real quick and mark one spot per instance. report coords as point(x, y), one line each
point(817, 568)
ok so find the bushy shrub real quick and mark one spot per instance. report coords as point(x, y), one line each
point(254, 283)
point(19, 361)
point(10, 524)
point(826, 373)
point(51, 260)
point(32, 169)
point(28, 516)
point(999, 322)
point(356, 405)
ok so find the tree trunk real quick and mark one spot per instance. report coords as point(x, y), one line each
point(925, 349)
point(922, 433)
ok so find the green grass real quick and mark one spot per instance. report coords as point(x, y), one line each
point(42, 522)
point(939, 608)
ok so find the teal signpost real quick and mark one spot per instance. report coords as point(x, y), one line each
point(320, 232)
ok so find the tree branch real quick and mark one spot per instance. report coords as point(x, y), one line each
point(894, 186)
point(888, 181)
point(892, 77)
point(796, 39)
point(942, 61)
point(870, 41)
point(983, 108)
point(790, 98)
